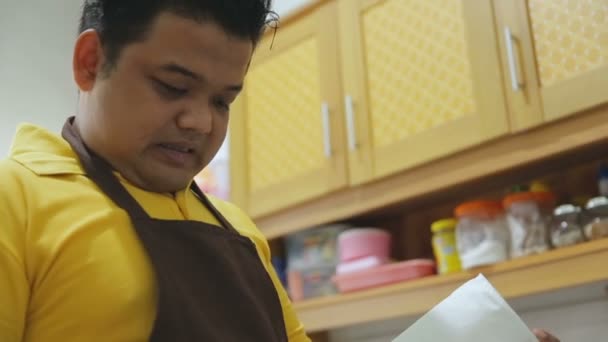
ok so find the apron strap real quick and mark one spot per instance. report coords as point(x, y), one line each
point(100, 172)
point(216, 213)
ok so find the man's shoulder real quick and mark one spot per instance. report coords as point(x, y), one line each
point(9, 166)
point(235, 215)
point(16, 176)
point(12, 175)
point(19, 180)
point(239, 219)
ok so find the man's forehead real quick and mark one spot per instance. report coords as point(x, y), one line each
point(174, 25)
point(173, 34)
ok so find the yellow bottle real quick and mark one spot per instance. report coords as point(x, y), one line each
point(444, 246)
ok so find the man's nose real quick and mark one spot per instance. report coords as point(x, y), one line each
point(199, 119)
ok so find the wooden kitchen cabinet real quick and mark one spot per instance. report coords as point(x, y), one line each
point(558, 54)
point(422, 80)
point(571, 45)
point(354, 91)
point(287, 125)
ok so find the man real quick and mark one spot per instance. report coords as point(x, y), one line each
point(103, 235)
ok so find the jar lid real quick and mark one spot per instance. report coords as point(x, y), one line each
point(365, 231)
point(479, 208)
point(542, 197)
point(443, 225)
point(597, 202)
point(566, 209)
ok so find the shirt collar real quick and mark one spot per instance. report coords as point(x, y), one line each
point(46, 153)
point(43, 152)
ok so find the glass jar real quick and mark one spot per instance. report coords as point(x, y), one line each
point(444, 246)
point(566, 227)
point(596, 218)
point(482, 235)
point(528, 218)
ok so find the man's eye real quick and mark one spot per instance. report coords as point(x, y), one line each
point(222, 105)
point(170, 91)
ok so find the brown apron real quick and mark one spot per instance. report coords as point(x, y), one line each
point(211, 283)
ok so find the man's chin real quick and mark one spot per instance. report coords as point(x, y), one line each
point(165, 183)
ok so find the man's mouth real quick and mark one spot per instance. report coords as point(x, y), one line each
point(177, 148)
point(177, 155)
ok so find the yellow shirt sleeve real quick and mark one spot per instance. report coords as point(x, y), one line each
point(295, 329)
point(240, 221)
point(14, 285)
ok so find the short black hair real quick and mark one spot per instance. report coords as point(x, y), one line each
point(121, 22)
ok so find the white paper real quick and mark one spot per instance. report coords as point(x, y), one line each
point(474, 312)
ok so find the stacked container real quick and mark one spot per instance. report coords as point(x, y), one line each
point(482, 234)
point(597, 218)
point(566, 229)
point(312, 257)
point(364, 261)
point(529, 217)
point(363, 248)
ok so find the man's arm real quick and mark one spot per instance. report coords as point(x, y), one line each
point(293, 326)
point(14, 285)
point(14, 292)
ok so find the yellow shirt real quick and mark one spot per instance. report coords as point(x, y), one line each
point(71, 266)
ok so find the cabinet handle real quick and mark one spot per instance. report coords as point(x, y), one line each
point(326, 129)
point(516, 84)
point(350, 122)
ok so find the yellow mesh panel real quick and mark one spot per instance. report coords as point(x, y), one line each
point(284, 128)
point(571, 37)
point(418, 68)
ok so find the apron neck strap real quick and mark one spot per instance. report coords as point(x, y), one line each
point(216, 213)
point(100, 172)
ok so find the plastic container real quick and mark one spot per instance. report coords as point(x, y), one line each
point(360, 264)
point(528, 217)
point(215, 178)
point(280, 267)
point(482, 235)
point(384, 275)
point(602, 180)
point(314, 248)
point(566, 227)
point(363, 242)
point(444, 246)
point(311, 282)
point(596, 218)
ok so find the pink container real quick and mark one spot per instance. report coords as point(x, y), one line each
point(364, 242)
point(384, 275)
point(360, 264)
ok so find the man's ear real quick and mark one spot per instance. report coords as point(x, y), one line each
point(88, 59)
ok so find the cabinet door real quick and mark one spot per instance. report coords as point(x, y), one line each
point(570, 38)
point(422, 80)
point(516, 48)
point(286, 131)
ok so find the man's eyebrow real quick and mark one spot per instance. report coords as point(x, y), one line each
point(178, 69)
point(235, 88)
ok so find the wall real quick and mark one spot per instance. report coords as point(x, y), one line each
point(36, 38)
point(285, 7)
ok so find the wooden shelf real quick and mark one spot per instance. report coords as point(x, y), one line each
point(503, 162)
point(558, 269)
